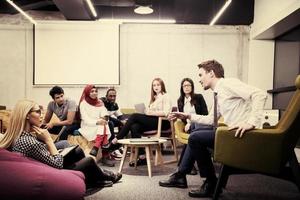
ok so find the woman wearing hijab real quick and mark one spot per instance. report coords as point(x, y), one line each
point(94, 126)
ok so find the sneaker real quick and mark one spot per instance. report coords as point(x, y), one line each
point(116, 155)
point(121, 150)
point(139, 162)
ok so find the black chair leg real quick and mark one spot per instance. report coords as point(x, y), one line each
point(222, 181)
point(295, 169)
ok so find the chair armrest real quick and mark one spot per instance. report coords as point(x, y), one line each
point(127, 111)
point(221, 124)
point(181, 136)
point(259, 149)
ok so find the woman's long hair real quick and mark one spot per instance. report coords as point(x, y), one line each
point(163, 89)
point(182, 94)
point(16, 123)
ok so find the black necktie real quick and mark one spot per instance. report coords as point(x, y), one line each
point(215, 110)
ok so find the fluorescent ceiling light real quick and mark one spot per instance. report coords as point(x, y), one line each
point(91, 7)
point(149, 21)
point(220, 12)
point(143, 10)
point(21, 11)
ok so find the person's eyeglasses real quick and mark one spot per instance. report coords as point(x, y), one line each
point(187, 85)
point(37, 111)
point(112, 95)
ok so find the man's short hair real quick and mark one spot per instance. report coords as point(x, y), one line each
point(110, 89)
point(213, 65)
point(56, 90)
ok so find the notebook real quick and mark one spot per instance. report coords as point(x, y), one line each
point(144, 139)
point(140, 108)
point(64, 152)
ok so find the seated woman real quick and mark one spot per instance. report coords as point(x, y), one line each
point(191, 103)
point(94, 127)
point(24, 135)
point(160, 105)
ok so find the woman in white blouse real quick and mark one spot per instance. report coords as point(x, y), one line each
point(94, 126)
point(160, 105)
point(191, 103)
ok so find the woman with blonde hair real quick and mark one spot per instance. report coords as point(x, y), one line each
point(160, 105)
point(25, 136)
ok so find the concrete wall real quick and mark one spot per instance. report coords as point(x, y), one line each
point(261, 52)
point(171, 52)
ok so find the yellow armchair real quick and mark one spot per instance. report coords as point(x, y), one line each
point(180, 135)
point(268, 151)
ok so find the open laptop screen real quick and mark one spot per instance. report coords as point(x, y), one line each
point(140, 108)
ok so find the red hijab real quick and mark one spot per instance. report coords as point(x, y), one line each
point(86, 96)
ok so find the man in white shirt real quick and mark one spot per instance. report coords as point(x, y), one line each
point(241, 107)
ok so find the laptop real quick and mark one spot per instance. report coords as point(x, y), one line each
point(59, 134)
point(64, 152)
point(140, 108)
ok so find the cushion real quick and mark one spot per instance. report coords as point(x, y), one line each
point(25, 178)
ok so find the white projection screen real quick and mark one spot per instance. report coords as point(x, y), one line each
point(76, 53)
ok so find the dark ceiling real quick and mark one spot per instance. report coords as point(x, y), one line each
point(240, 12)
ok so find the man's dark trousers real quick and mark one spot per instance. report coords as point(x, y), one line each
point(200, 143)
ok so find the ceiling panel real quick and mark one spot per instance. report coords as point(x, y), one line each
point(240, 12)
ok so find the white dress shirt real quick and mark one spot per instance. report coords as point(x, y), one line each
point(188, 107)
point(237, 103)
point(162, 104)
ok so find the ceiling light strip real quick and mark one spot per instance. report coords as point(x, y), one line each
point(91, 7)
point(21, 11)
point(228, 2)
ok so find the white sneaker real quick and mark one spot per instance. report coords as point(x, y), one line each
point(116, 154)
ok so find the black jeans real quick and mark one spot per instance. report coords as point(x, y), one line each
point(139, 123)
point(69, 130)
point(115, 122)
point(76, 160)
point(201, 140)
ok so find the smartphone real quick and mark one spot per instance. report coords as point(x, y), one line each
point(106, 117)
point(43, 126)
point(174, 109)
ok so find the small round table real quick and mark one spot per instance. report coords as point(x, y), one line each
point(147, 143)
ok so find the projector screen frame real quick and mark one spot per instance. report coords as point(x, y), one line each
point(44, 85)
